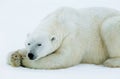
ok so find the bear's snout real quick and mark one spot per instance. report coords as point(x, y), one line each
point(31, 56)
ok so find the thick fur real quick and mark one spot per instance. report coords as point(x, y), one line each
point(88, 35)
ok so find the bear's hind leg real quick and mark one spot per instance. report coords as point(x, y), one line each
point(111, 35)
point(112, 62)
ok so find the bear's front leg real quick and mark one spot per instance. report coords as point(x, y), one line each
point(15, 58)
point(53, 61)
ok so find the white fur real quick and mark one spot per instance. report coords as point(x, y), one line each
point(89, 35)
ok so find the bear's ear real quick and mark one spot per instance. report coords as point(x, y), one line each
point(53, 38)
point(28, 35)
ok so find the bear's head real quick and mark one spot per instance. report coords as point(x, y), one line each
point(42, 44)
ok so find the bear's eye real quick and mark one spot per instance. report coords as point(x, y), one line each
point(53, 38)
point(28, 43)
point(39, 44)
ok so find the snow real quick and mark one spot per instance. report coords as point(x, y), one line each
point(19, 17)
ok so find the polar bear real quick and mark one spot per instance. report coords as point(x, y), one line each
point(69, 36)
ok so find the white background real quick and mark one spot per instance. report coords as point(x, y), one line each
point(19, 17)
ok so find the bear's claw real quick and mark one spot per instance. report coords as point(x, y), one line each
point(15, 59)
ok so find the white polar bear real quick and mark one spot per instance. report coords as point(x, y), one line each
point(68, 37)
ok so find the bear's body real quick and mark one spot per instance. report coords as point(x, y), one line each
point(82, 36)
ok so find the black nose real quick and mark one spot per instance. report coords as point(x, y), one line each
point(31, 56)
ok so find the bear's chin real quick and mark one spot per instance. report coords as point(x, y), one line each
point(44, 56)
